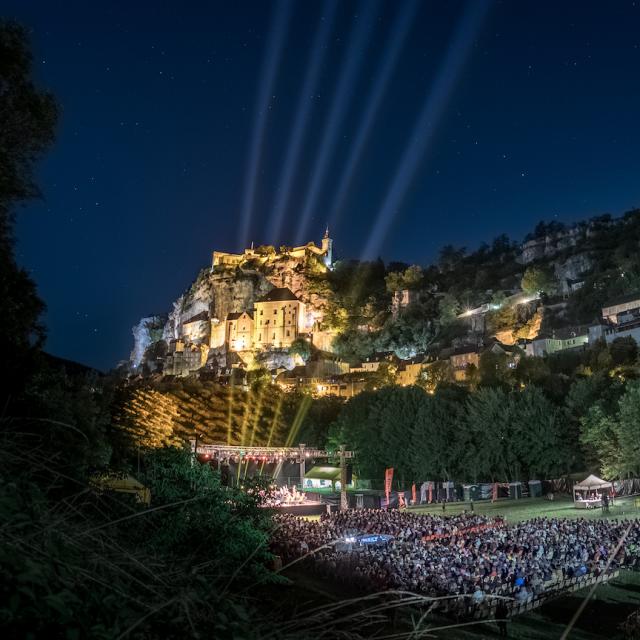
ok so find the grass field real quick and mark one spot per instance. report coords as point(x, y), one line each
point(527, 508)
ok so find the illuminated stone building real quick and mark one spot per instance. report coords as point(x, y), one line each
point(239, 331)
point(196, 329)
point(277, 319)
point(263, 255)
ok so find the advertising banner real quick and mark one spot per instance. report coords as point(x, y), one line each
point(388, 479)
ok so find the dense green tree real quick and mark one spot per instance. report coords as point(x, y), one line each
point(450, 257)
point(494, 369)
point(410, 332)
point(599, 434)
point(300, 347)
point(439, 443)
point(538, 280)
point(532, 370)
point(435, 375)
point(492, 454)
point(383, 376)
point(629, 431)
point(623, 351)
point(449, 308)
point(540, 440)
point(410, 278)
point(28, 116)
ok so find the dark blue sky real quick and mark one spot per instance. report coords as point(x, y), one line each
point(179, 120)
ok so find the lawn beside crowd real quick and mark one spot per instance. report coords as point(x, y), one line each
point(527, 508)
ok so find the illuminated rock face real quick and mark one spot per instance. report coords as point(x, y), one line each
point(208, 313)
point(145, 333)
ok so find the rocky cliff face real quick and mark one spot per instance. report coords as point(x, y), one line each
point(148, 331)
point(224, 291)
point(571, 270)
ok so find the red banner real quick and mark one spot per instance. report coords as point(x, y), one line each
point(414, 497)
point(466, 531)
point(388, 480)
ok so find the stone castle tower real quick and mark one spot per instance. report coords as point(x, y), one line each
point(327, 248)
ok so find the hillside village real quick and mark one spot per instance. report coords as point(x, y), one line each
point(335, 328)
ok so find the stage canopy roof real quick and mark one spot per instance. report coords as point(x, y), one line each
point(592, 482)
point(323, 473)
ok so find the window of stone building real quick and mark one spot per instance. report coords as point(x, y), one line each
point(288, 333)
point(274, 336)
point(275, 311)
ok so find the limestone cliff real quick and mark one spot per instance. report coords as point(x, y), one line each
point(148, 331)
point(223, 290)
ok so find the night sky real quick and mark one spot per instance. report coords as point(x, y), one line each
point(191, 126)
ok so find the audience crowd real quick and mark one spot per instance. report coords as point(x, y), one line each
point(462, 554)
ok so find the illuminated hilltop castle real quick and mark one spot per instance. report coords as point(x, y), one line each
point(276, 320)
point(267, 254)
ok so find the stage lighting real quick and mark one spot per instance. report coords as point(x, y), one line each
point(354, 57)
point(400, 29)
point(303, 112)
point(426, 125)
point(272, 57)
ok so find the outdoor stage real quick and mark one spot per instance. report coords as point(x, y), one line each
point(306, 508)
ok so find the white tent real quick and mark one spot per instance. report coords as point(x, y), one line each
point(592, 483)
point(588, 493)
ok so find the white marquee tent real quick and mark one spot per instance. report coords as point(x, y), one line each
point(588, 493)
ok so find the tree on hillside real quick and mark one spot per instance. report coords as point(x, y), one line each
point(623, 351)
point(434, 375)
point(494, 370)
point(300, 347)
point(538, 280)
point(28, 116)
point(449, 308)
point(384, 376)
point(450, 257)
point(531, 370)
point(410, 278)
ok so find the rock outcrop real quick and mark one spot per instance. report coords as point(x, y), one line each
point(223, 290)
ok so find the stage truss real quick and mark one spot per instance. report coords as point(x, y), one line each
point(299, 454)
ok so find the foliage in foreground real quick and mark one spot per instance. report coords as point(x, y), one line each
point(78, 563)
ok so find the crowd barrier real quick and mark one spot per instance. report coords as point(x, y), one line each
point(487, 609)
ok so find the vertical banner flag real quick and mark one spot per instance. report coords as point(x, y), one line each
point(388, 479)
point(430, 492)
point(401, 503)
point(414, 497)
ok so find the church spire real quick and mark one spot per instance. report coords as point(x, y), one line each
point(326, 233)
